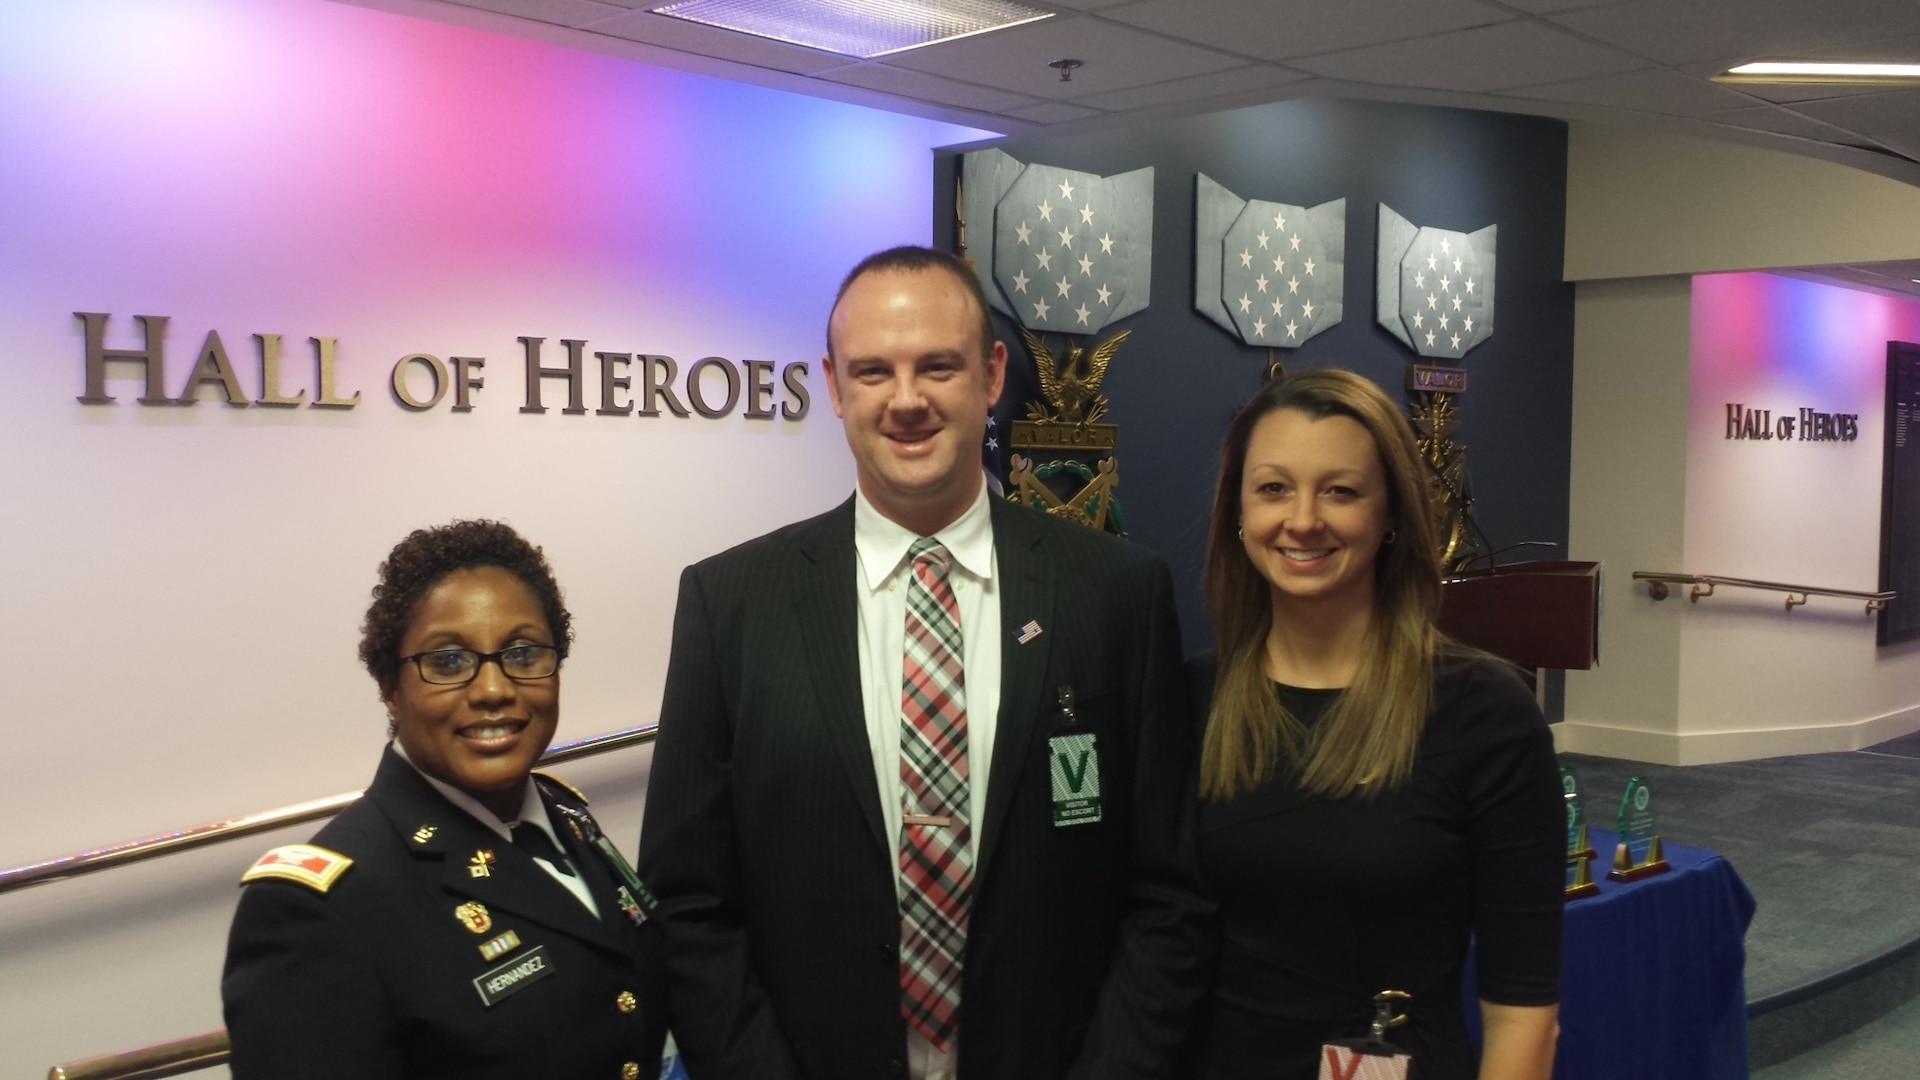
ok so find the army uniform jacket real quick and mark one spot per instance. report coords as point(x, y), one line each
point(380, 971)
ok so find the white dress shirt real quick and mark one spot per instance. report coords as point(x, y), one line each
point(881, 548)
point(532, 811)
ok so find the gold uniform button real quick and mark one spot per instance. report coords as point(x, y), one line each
point(630, 1071)
point(626, 1002)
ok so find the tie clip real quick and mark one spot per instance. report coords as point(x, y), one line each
point(937, 821)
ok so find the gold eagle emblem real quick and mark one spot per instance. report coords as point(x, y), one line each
point(1071, 386)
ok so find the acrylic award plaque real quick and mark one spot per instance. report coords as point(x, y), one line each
point(1580, 852)
point(1639, 854)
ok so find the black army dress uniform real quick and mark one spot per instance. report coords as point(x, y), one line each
point(409, 940)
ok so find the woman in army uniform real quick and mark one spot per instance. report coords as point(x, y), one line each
point(464, 918)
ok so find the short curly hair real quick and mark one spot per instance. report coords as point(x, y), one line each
point(424, 559)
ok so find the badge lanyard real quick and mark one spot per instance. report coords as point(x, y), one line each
point(1073, 761)
point(1371, 1058)
point(635, 899)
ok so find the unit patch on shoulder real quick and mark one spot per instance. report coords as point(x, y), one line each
point(315, 867)
point(577, 793)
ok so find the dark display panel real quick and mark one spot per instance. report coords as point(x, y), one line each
point(1900, 496)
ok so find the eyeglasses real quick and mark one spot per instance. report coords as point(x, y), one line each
point(454, 667)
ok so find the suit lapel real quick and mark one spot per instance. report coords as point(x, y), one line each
point(513, 882)
point(1026, 578)
point(825, 608)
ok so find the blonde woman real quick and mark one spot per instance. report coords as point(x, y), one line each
point(1372, 796)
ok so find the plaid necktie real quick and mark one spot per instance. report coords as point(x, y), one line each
point(936, 863)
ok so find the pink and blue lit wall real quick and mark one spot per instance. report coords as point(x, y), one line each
point(181, 586)
point(1798, 511)
point(1788, 510)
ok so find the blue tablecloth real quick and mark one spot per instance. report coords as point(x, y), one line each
point(1653, 985)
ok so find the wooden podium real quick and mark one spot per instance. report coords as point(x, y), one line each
point(1535, 614)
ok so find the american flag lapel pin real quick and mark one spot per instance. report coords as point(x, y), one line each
point(1028, 632)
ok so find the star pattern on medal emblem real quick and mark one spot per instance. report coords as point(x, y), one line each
point(1446, 293)
point(1062, 249)
point(1280, 281)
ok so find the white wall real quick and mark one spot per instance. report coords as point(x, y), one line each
point(1757, 676)
point(1628, 487)
point(180, 587)
point(1657, 486)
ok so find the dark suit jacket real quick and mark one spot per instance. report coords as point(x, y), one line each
point(763, 835)
point(375, 977)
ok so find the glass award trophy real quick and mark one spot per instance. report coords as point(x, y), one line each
point(1580, 853)
point(1639, 854)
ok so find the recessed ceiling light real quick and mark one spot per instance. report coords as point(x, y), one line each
point(863, 28)
point(1822, 73)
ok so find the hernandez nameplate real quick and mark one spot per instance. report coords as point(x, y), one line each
point(513, 976)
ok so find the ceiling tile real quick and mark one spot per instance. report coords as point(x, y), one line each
point(1656, 90)
point(1675, 32)
point(1879, 48)
point(1793, 93)
point(1895, 112)
point(1052, 112)
point(1198, 88)
point(1778, 121)
point(1901, 278)
point(1280, 29)
point(923, 87)
point(558, 12)
point(1511, 54)
point(1544, 7)
point(684, 36)
point(1907, 146)
point(1116, 58)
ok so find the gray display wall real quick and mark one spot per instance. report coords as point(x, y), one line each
point(1176, 382)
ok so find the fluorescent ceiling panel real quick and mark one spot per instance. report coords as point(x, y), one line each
point(1826, 73)
point(863, 28)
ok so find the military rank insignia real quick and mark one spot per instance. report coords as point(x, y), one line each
point(315, 867)
point(473, 915)
point(424, 833)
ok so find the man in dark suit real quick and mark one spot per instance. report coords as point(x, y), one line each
point(921, 804)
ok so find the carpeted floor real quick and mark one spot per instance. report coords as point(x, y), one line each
point(1888, 1047)
point(1829, 844)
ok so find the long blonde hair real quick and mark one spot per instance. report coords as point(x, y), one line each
point(1365, 742)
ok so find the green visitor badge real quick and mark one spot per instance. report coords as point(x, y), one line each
point(1076, 779)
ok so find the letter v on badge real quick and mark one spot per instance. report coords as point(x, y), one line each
point(1075, 766)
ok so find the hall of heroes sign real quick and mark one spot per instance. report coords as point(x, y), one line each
point(712, 387)
point(1806, 425)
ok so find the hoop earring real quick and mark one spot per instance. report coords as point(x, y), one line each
point(1392, 535)
point(1240, 532)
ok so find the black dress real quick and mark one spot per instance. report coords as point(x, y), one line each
point(398, 968)
point(1324, 902)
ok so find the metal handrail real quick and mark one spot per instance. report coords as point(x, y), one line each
point(151, 1062)
point(1703, 585)
point(134, 851)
